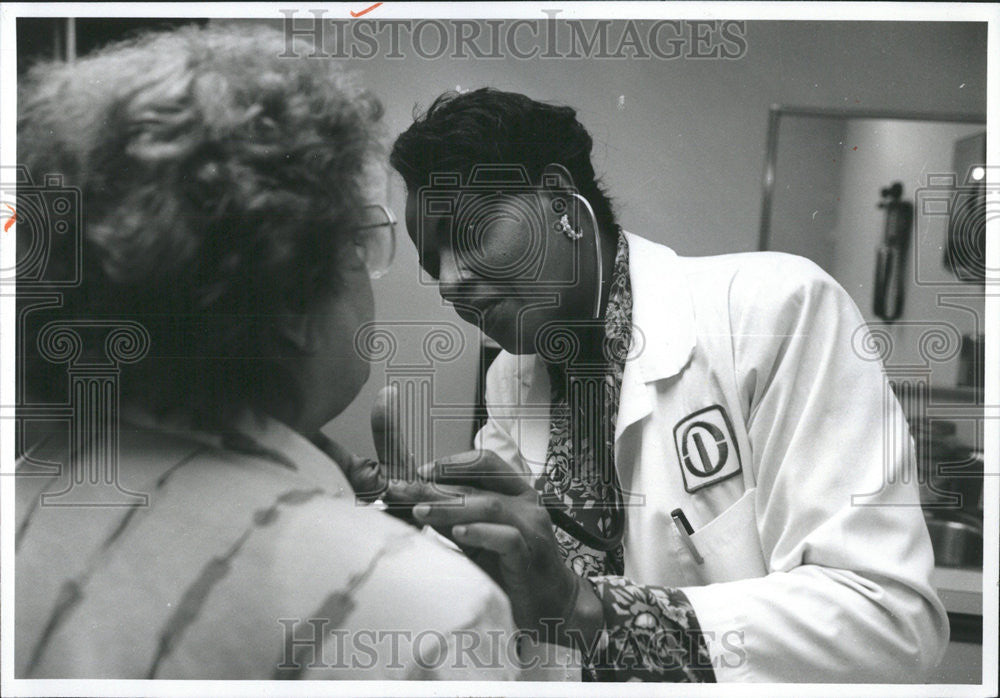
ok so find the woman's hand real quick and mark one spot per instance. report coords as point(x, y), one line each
point(504, 529)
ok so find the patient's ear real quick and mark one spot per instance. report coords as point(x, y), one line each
point(294, 331)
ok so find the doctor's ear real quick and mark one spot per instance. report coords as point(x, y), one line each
point(556, 176)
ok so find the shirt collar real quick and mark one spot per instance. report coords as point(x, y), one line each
point(617, 321)
point(260, 436)
point(618, 311)
point(663, 331)
point(284, 443)
point(662, 336)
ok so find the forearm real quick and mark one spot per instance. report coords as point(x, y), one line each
point(632, 631)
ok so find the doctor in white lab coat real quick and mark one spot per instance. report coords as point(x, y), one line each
point(752, 400)
point(816, 559)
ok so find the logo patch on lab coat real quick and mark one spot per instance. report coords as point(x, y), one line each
point(706, 448)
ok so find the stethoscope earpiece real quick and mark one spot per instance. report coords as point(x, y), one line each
point(598, 287)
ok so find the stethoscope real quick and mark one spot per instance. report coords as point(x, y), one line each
point(559, 513)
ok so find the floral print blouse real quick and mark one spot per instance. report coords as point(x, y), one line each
point(650, 633)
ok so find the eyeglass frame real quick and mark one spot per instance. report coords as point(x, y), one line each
point(391, 222)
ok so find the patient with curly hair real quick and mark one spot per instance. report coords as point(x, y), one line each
point(232, 217)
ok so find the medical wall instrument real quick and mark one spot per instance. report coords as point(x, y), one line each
point(890, 263)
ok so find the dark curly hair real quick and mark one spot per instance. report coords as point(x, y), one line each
point(220, 185)
point(489, 126)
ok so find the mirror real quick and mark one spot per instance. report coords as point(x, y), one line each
point(892, 205)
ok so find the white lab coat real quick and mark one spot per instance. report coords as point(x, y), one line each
point(816, 557)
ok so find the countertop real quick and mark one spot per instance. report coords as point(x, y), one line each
point(960, 590)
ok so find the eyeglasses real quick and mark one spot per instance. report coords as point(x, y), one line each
point(376, 239)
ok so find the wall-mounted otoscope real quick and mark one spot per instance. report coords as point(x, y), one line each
point(890, 263)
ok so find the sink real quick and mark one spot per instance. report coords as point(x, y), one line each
point(956, 542)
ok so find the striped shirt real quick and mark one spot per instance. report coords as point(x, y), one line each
point(251, 560)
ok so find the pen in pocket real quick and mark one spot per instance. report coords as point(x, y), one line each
point(684, 529)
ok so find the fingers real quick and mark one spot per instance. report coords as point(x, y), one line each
point(505, 541)
point(484, 508)
point(390, 445)
point(481, 469)
point(400, 496)
point(386, 402)
point(410, 492)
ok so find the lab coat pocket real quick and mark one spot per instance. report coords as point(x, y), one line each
point(730, 544)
